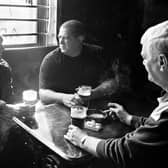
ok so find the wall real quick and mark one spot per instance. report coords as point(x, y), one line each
point(115, 25)
point(25, 65)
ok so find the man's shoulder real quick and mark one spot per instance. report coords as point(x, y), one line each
point(93, 47)
point(55, 55)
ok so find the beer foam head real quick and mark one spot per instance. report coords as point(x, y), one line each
point(84, 90)
point(29, 96)
point(78, 111)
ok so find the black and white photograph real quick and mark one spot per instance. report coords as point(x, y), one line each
point(83, 83)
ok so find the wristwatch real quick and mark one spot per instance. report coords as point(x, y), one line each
point(83, 140)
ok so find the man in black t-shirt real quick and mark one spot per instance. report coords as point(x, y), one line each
point(71, 65)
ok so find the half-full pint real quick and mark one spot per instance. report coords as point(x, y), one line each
point(78, 115)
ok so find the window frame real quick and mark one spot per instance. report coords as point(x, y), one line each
point(42, 21)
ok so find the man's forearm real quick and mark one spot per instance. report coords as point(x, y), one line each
point(48, 96)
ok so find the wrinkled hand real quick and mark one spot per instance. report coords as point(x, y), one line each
point(75, 135)
point(120, 112)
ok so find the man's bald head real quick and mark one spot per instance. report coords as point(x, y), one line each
point(75, 27)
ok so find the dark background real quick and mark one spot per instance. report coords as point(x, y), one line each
point(118, 26)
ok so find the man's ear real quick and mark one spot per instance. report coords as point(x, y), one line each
point(163, 62)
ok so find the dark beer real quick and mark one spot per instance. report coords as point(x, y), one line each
point(78, 115)
point(78, 122)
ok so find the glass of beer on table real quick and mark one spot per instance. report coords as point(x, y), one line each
point(78, 115)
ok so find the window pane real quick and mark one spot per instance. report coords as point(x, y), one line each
point(18, 27)
point(31, 22)
point(19, 2)
point(45, 2)
point(18, 12)
point(19, 40)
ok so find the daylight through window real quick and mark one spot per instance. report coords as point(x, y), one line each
point(28, 22)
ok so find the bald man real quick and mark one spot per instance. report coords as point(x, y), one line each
point(72, 64)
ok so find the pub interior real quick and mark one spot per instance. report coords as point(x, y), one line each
point(116, 26)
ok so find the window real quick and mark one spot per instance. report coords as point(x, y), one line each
point(28, 22)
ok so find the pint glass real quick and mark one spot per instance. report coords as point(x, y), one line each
point(78, 115)
point(85, 92)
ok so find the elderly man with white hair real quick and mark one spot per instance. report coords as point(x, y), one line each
point(147, 145)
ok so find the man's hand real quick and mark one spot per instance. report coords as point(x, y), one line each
point(75, 135)
point(70, 100)
point(120, 112)
point(67, 100)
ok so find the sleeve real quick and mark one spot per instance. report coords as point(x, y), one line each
point(48, 69)
point(130, 148)
point(44, 74)
point(137, 121)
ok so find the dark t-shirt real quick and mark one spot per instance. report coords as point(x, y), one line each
point(63, 73)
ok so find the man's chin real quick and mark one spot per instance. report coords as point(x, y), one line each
point(63, 50)
point(150, 79)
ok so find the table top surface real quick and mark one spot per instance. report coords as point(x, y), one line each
point(53, 121)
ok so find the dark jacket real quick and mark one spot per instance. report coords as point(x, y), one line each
point(146, 147)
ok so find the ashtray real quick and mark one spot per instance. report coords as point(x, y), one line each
point(98, 117)
point(92, 125)
point(95, 121)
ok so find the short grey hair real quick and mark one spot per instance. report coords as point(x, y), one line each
point(158, 37)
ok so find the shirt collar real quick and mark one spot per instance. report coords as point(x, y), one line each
point(163, 106)
point(163, 99)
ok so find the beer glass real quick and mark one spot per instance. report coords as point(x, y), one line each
point(84, 92)
point(78, 115)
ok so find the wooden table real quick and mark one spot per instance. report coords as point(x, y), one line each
point(53, 121)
